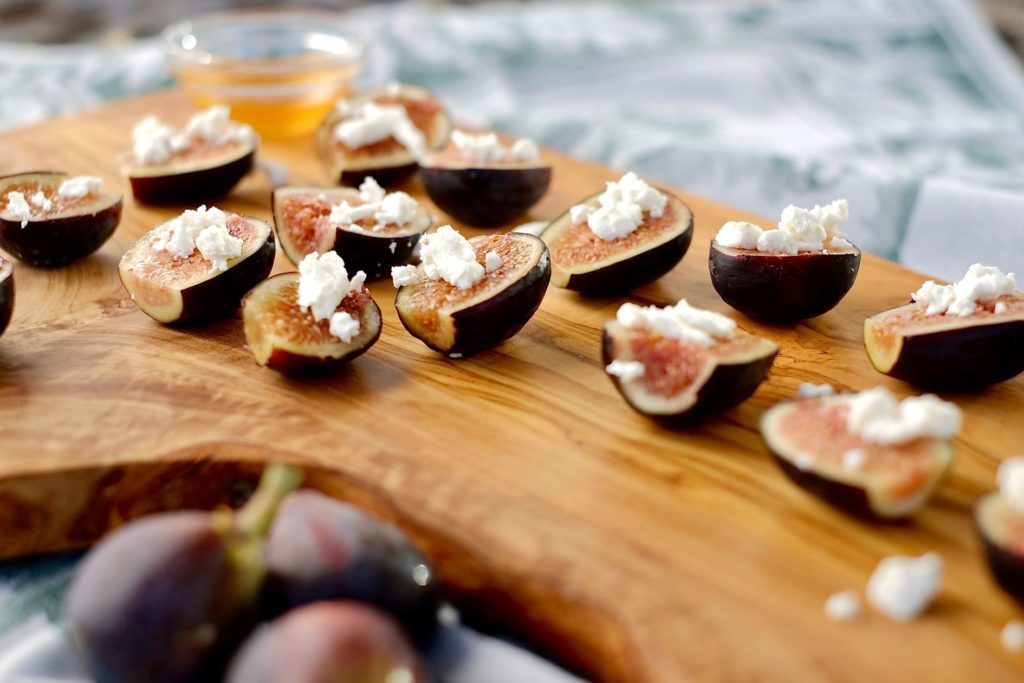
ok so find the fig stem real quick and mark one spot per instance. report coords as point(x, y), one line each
point(256, 516)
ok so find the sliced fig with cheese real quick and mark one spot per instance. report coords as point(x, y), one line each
point(583, 261)
point(783, 287)
point(6, 293)
point(174, 289)
point(949, 352)
point(679, 381)
point(810, 440)
point(462, 321)
point(303, 226)
point(286, 337)
point(43, 227)
point(1001, 528)
point(352, 146)
point(482, 183)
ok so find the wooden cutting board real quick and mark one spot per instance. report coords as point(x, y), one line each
point(625, 550)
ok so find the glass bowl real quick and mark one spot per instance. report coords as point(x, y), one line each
point(280, 71)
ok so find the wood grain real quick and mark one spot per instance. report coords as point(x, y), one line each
point(630, 552)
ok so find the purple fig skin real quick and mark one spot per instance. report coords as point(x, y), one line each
point(485, 197)
point(1007, 567)
point(853, 500)
point(386, 176)
point(372, 254)
point(783, 288)
point(6, 294)
point(329, 642)
point(192, 187)
point(321, 549)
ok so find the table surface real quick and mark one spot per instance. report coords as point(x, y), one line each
point(630, 551)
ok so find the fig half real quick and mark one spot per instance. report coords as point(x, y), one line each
point(783, 287)
point(302, 226)
point(809, 439)
point(582, 261)
point(464, 321)
point(172, 290)
point(684, 382)
point(387, 161)
point(1002, 533)
point(949, 352)
point(287, 338)
point(59, 229)
point(6, 293)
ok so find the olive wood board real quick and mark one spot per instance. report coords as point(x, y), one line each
point(624, 550)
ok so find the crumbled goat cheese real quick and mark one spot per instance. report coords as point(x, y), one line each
point(40, 201)
point(999, 308)
point(487, 148)
point(154, 142)
point(18, 208)
point(370, 191)
point(681, 321)
point(626, 370)
point(80, 186)
point(392, 247)
point(492, 261)
point(621, 209)
point(447, 255)
point(854, 459)
point(344, 326)
point(979, 285)
point(404, 275)
point(215, 125)
point(803, 461)
point(799, 230)
point(178, 238)
point(811, 390)
point(217, 245)
point(1012, 635)
point(324, 283)
point(372, 123)
point(1010, 478)
point(878, 416)
point(395, 208)
point(843, 606)
point(903, 587)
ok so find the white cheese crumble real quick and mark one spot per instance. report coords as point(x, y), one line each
point(447, 255)
point(80, 186)
point(681, 321)
point(803, 461)
point(903, 587)
point(324, 283)
point(217, 245)
point(40, 201)
point(999, 308)
point(154, 142)
point(811, 390)
point(979, 285)
point(373, 123)
point(394, 208)
point(843, 606)
point(799, 230)
point(487, 148)
point(492, 261)
point(622, 208)
point(203, 228)
point(877, 416)
point(854, 459)
point(1012, 635)
point(18, 208)
point(1010, 478)
point(344, 326)
point(626, 370)
point(215, 125)
point(404, 275)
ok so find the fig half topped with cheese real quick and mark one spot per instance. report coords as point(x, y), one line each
point(469, 295)
point(962, 336)
point(681, 364)
point(624, 237)
point(799, 270)
point(6, 293)
point(197, 266)
point(52, 219)
point(371, 229)
point(479, 181)
point(297, 322)
point(382, 134)
point(999, 520)
point(202, 161)
point(868, 454)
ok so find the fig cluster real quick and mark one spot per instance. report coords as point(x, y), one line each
point(295, 586)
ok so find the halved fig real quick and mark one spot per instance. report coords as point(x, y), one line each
point(683, 382)
point(483, 194)
point(57, 229)
point(949, 352)
point(809, 439)
point(387, 161)
point(1001, 528)
point(285, 337)
point(6, 293)
point(783, 287)
point(582, 261)
point(464, 321)
point(173, 290)
point(302, 226)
